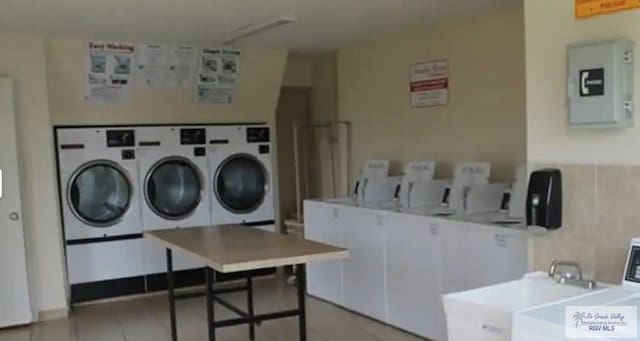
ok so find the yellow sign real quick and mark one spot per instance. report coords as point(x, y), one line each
point(589, 8)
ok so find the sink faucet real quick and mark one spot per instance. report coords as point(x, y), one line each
point(556, 263)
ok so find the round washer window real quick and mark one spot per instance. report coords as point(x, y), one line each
point(99, 193)
point(173, 188)
point(241, 183)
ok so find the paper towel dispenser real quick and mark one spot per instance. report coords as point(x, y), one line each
point(544, 199)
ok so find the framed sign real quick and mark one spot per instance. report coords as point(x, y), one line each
point(429, 83)
point(590, 8)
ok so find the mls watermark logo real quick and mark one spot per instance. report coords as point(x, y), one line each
point(601, 322)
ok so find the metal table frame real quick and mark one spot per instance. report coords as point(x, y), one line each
point(246, 317)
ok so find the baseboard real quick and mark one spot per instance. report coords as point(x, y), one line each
point(53, 314)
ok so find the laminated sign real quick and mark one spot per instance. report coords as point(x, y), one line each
point(429, 84)
point(109, 74)
point(217, 75)
point(589, 8)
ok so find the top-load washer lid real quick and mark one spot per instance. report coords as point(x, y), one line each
point(241, 183)
point(173, 188)
point(99, 193)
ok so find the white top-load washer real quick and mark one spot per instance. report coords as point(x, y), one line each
point(465, 176)
point(241, 176)
point(100, 200)
point(549, 321)
point(173, 183)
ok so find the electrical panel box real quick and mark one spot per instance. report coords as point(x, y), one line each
point(600, 89)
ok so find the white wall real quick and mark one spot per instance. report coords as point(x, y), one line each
point(23, 59)
point(550, 27)
point(485, 118)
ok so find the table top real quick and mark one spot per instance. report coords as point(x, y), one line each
point(231, 248)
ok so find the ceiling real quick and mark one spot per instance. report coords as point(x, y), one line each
point(321, 24)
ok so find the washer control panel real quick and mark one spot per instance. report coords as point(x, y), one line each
point(121, 138)
point(258, 134)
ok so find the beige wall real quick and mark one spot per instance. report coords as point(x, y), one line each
point(485, 118)
point(298, 72)
point(261, 75)
point(550, 27)
point(23, 60)
point(601, 175)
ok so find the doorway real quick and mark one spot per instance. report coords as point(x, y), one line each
point(293, 109)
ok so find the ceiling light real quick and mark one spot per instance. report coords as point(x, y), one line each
point(281, 19)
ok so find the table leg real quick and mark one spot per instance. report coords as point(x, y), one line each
point(301, 279)
point(172, 300)
point(252, 328)
point(210, 300)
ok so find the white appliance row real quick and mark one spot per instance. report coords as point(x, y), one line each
point(116, 182)
point(401, 263)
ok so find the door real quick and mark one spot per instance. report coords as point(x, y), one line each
point(99, 193)
point(173, 188)
point(241, 183)
point(14, 297)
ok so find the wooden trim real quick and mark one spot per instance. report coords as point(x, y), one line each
point(53, 314)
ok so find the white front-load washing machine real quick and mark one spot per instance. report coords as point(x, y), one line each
point(100, 202)
point(173, 183)
point(240, 165)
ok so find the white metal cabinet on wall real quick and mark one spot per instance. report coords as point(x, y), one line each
point(363, 272)
point(323, 223)
point(414, 255)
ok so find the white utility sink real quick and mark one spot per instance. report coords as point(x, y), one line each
point(485, 314)
point(547, 322)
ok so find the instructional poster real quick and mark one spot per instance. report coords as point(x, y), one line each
point(217, 75)
point(429, 83)
point(151, 64)
point(181, 66)
point(109, 74)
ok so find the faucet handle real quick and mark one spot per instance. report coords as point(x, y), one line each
point(572, 265)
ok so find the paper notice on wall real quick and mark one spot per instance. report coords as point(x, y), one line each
point(182, 64)
point(151, 64)
point(429, 84)
point(217, 75)
point(109, 74)
point(590, 8)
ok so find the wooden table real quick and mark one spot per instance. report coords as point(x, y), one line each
point(239, 248)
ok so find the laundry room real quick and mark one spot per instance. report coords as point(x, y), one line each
point(326, 170)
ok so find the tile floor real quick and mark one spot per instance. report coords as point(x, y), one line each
point(147, 319)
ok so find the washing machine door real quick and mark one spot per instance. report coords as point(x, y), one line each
point(241, 183)
point(173, 188)
point(99, 193)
